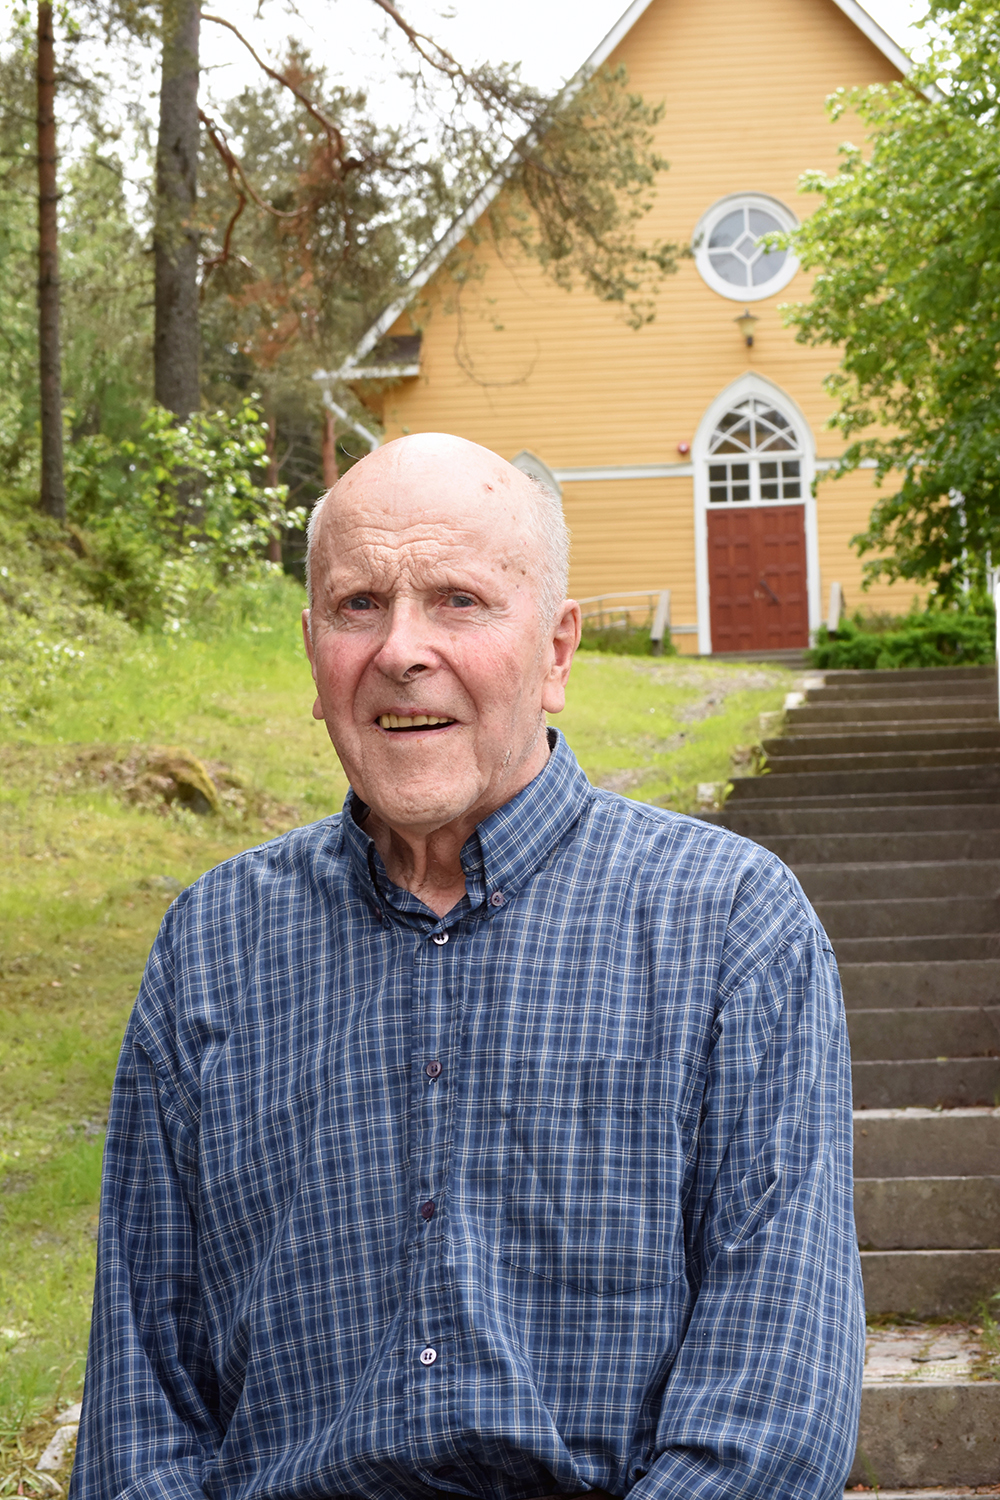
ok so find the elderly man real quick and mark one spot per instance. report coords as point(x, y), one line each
point(492, 1138)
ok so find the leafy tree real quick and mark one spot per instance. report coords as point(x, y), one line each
point(144, 551)
point(906, 242)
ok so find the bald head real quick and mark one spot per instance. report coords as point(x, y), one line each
point(439, 471)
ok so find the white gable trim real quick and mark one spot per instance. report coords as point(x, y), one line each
point(873, 31)
point(438, 254)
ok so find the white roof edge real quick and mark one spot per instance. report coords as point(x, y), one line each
point(620, 29)
point(873, 31)
point(439, 253)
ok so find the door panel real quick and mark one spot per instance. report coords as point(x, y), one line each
point(757, 578)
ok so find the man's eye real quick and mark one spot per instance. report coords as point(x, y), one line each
point(460, 601)
point(359, 601)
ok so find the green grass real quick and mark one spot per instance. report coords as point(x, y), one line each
point(85, 879)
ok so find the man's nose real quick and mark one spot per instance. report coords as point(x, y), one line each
point(407, 648)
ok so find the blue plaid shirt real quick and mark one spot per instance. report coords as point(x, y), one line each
point(551, 1193)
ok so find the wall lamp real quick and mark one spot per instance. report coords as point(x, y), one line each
point(746, 323)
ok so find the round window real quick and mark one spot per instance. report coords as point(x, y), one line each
point(728, 249)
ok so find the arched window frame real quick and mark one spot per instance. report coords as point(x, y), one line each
point(752, 384)
point(703, 234)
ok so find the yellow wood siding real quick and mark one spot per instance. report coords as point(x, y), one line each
point(511, 361)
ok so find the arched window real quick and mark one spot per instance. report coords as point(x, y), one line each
point(729, 254)
point(754, 456)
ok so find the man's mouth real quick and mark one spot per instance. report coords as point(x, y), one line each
point(412, 721)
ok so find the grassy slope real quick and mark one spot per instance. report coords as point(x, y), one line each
point(85, 879)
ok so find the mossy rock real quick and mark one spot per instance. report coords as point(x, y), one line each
point(194, 787)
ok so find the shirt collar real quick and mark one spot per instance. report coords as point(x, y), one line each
point(505, 849)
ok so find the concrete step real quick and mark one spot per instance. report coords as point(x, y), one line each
point(782, 656)
point(818, 711)
point(878, 729)
point(928, 1082)
point(869, 758)
point(928, 1418)
point(911, 1035)
point(883, 692)
point(929, 1283)
point(927, 676)
point(939, 915)
point(911, 985)
point(927, 1213)
point(892, 781)
point(926, 1142)
point(910, 950)
point(899, 880)
point(814, 850)
point(863, 738)
point(778, 801)
point(856, 815)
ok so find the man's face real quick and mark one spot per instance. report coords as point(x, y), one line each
point(432, 667)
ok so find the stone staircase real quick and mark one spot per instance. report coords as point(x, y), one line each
point(883, 796)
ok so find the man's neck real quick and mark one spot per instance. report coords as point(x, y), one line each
point(429, 867)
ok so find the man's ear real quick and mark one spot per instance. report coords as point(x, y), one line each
point(317, 708)
point(564, 641)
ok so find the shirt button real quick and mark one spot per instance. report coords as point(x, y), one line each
point(440, 938)
point(498, 898)
point(428, 1356)
point(427, 1209)
point(434, 1069)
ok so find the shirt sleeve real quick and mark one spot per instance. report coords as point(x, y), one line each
point(148, 1430)
point(763, 1399)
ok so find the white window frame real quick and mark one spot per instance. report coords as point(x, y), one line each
point(703, 233)
point(752, 384)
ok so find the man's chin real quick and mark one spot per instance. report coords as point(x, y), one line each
point(421, 807)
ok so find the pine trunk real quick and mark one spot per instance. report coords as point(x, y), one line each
point(175, 236)
point(52, 496)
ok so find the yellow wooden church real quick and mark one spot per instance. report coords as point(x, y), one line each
point(685, 453)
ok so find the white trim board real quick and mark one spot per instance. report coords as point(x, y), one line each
point(440, 251)
point(752, 384)
point(622, 471)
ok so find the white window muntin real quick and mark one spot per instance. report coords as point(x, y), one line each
point(754, 456)
point(727, 254)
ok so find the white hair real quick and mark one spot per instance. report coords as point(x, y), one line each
point(551, 534)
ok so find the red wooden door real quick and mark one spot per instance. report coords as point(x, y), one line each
point(757, 577)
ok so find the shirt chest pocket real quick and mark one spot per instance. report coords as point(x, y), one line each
point(593, 1175)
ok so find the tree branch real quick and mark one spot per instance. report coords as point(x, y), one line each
point(236, 173)
point(329, 129)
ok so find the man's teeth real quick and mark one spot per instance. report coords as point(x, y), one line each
point(412, 721)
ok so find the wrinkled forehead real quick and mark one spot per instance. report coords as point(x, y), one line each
point(427, 516)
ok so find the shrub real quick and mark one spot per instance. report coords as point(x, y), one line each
point(163, 521)
point(631, 641)
point(936, 637)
